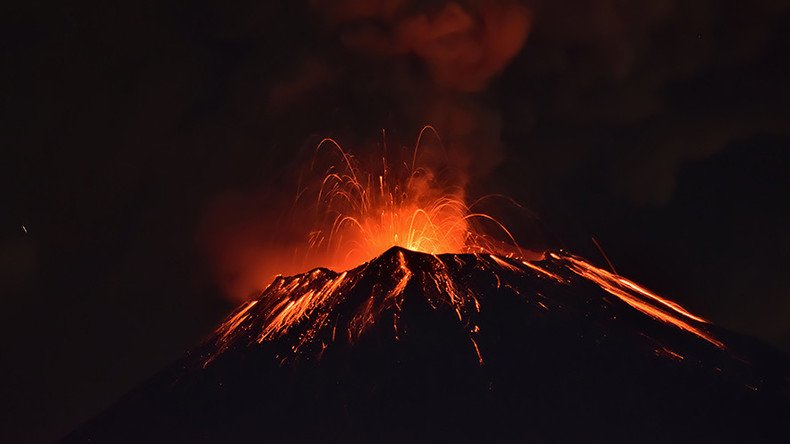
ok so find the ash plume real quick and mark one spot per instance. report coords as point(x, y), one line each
point(423, 62)
point(428, 63)
point(462, 44)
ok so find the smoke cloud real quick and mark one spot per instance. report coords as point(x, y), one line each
point(405, 64)
point(461, 44)
point(425, 63)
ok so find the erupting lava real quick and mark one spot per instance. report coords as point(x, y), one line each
point(360, 214)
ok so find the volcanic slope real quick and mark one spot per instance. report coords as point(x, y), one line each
point(413, 347)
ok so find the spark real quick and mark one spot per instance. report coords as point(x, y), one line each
point(360, 213)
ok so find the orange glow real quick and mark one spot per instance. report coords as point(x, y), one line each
point(346, 211)
point(361, 214)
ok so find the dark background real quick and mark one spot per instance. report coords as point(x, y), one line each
point(661, 129)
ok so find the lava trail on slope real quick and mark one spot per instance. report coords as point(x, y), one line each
point(415, 347)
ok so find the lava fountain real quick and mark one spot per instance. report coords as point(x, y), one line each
point(360, 214)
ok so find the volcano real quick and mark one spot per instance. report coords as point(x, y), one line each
point(415, 347)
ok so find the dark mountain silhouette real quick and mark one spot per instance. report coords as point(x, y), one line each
point(412, 347)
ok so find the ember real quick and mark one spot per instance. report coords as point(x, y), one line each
point(361, 214)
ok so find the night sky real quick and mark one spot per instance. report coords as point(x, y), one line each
point(661, 129)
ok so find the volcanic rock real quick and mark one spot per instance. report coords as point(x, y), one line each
point(413, 347)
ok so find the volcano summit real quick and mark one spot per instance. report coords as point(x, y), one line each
point(415, 347)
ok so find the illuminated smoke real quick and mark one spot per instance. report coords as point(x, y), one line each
point(463, 44)
point(423, 62)
point(434, 59)
point(344, 215)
